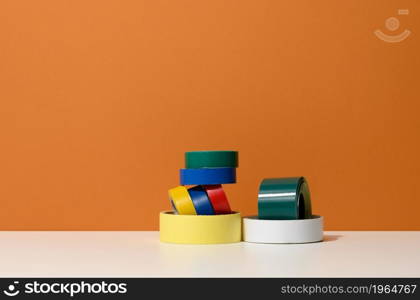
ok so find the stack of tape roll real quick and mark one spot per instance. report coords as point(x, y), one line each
point(284, 214)
point(202, 214)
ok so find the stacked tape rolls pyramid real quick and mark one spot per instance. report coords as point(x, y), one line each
point(202, 215)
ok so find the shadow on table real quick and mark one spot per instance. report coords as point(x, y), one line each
point(331, 237)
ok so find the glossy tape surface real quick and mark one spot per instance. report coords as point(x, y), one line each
point(201, 201)
point(308, 230)
point(218, 199)
point(207, 176)
point(187, 229)
point(181, 200)
point(284, 199)
point(211, 159)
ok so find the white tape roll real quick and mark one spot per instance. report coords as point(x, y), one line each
point(283, 231)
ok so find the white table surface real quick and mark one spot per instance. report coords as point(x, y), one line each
point(140, 254)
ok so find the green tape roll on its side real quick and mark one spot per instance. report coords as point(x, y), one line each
point(211, 159)
point(284, 199)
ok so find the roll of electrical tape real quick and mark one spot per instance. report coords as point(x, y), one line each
point(187, 229)
point(207, 176)
point(283, 231)
point(284, 199)
point(218, 199)
point(211, 159)
point(181, 201)
point(201, 201)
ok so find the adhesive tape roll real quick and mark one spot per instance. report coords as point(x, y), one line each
point(201, 201)
point(187, 229)
point(181, 201)
point(218, 199)
point(207, 176)
point(284, 199)
point(283, 231)
point(211, 159)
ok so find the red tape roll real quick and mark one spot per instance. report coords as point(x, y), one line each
point(218, 199)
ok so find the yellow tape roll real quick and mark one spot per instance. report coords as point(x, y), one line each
point(182, 201)
point(205, 229)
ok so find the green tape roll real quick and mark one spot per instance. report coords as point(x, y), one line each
point(284, 199)
point(211, 159)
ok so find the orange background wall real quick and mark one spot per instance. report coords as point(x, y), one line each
point(100, 99)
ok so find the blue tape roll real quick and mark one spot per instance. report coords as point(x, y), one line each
point(206, 176)
point(201, 201)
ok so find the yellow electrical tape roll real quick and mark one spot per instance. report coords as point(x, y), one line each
point(181, 200)
point(205, 229)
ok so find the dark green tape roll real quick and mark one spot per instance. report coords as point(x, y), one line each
point(284, 199)
point(211, 159)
